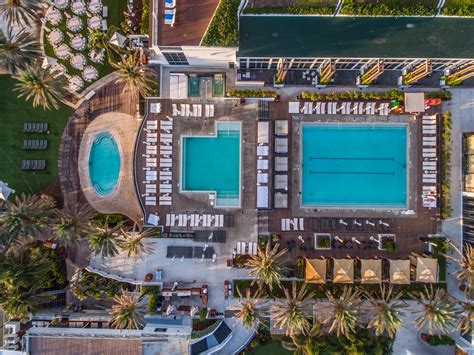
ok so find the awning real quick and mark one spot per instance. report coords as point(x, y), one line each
point(343, 271)
point(414, 102)
point(315, 271)
point(400, 271)
point(371, 271)
point(426, 270)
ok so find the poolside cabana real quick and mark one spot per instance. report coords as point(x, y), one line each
point(315, 271)
point(400, 271)
point(426, 270)
point(371, 271)
point(343, 271)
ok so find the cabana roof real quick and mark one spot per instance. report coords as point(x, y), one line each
point(426, 270)
point(371, 271)
point(343, 271)
point(400, 271)
point(315, 271)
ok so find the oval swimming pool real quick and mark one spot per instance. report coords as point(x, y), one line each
point(104, 163)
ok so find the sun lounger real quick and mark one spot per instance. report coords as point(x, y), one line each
point(170, 17)
point(262, 150)
point(244, 248)
point(330, 108)
point(281, 164)
point(429, 144)
point(176, 112)
point(104, 25)
point(33, 164)
point(35, 127)
point(262, 178)
point(361, 108)
point(239, 248)
point(262, 164)
point(167, 148)
point(155, 107)
point(344, 108)
point(323, 108)
point(317, 109)
point(255, 248)
point(220, 220)
point(35, 144)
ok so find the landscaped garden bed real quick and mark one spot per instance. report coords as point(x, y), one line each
point(322, 241)
point(458, 8)
point(203, 327)
point(223, 30)
point(389, 8)
point(300, 7)
point(445, 176)
point(250, 93)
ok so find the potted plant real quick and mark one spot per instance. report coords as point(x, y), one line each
point(387, 242)
point(277, 81)
point(322, 241)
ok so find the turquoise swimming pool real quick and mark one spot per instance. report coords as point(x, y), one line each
point(354, 165)
point(212, 164)
point(104, 164)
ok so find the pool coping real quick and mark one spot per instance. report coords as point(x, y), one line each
point(351, 206)
point(214, 135)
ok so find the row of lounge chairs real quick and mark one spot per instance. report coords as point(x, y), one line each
point(281, 164)
point(35, 144)
point(35, 127)
point(263, 151)
point(295, 224)
point(194, 220)
point(340, 108)
point(348, 224)
point(244, 249)
point(429, 161)
point(193, 110)
point(35, 164)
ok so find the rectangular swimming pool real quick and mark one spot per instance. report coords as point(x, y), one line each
point(212, 164)
point(356, 165)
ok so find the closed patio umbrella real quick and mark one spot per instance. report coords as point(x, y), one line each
point(315, 271)
point(343, 271)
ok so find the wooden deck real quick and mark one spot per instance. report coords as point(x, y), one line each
point(192, 19)
point(408, 230)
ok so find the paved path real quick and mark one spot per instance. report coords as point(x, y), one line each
point(462, 111)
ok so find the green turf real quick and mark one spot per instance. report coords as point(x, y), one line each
point(13, 113)
point(272, 347)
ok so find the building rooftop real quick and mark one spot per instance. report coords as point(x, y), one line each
point(361, 37)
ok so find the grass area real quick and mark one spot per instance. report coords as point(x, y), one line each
point(115, 17)
point(223, 30)
point(389, 8)
point(14, 112)
point(272, 347)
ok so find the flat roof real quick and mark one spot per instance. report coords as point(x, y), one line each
point(356, 37)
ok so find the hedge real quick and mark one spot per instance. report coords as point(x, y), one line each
point(370, 95)
point(336, 289)
point(145, 23)
point(386, 8)
point(445, 176)
point(458, 10)
point(223, 30)
point(250, 93)
point(292, 10)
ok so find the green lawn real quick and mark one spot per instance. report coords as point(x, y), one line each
point(13, 113)
point(272, 347)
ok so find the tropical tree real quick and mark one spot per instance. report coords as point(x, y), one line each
point(267, 266)
point(73, 225)
point(344, 311)
point(18, 50)
point(127, 313)
point(134, 245)
point(24, 217)
point(20, 12)
point(132, 74)
point(105, 240)
point(46, 87)
point(291, 313)
point(249, 310)
point(311, 343)
point(437, 311)
point(466, 317)
point(465, 260)
point(387, 311)
point(101, 40)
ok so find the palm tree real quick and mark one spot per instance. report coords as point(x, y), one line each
point(99, 39)
point(291, 312)
point(387, 311)
point(128, 312)
point(131, 73)
point(105, 240)
point(18, 50)
point(344, 311)
point(73, 225)
point(248, 310)
point(20, 12)
point(25, 216)
point(267, 266)
point(45, 86)
point(464, 323)
point(437, 311)
point(132, 243)
point(466, 261)
point(312, 343)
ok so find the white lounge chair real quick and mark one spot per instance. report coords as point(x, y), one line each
point(170, 17)
point(169, 4)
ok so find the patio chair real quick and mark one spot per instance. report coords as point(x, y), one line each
point(170, 4)
point(170, 17)
point(105, 11)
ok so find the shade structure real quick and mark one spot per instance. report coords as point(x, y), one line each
point(343, 271)
point(400, 271)
point(426, 270)
point(315, 272)
point(371, 271)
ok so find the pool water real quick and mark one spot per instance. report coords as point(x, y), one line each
point(212, 164)
point(354, 165)
point(104, 164)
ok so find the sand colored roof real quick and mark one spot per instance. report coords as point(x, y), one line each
point(371, 271)
point(414, 102)
point(343, 271)
point(426, 270)
point(400, 271)
point(315, 271)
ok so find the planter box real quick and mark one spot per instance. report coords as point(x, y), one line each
point(319, 238)
point(383, 238)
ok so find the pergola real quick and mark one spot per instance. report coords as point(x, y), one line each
point(400, 271)
point(343, 271)
point(371, 271)
point(315, 271)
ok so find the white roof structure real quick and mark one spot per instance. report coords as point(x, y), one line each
point(118, 39)
point(414, 102)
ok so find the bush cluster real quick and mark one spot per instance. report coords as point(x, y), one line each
point(250, 93)
point(445, 176)
point(386, 8)
point(145, 23)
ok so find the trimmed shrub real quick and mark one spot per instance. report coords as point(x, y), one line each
point(250, 93)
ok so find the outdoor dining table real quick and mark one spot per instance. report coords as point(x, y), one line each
point(78, 42)
point(75, 83)
point(90, 73)
point(95, 22)
point(62, 51)
point(61, 4)
point(74, 24)
point(95, 6)
point(78, 7)
point(55, 36)
point(78, 61)
point(54, 16)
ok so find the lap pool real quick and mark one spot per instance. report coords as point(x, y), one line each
point(104, 163)
point(212, 164)
point(354, 165)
